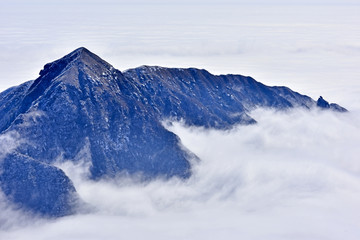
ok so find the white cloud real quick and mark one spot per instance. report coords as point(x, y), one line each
point(9, 141)
point(294, 175)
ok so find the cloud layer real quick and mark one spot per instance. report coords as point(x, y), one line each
point(294, 175)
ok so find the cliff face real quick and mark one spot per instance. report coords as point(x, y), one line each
point(81, 108)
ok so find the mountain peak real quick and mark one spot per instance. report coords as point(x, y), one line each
point(84, 54)
point(80, 52)
point(81, 49)
point(80, 55)
point(80, 65)
point(323, 104)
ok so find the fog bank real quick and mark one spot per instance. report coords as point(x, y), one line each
point(294, 175)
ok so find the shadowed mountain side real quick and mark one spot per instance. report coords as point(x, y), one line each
point(36, 186)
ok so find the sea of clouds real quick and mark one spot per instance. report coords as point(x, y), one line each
point(294, 175)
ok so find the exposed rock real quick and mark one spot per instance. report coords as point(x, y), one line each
point(322, 103)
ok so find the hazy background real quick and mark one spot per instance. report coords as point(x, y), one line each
point(310, 46)
point(292, 176)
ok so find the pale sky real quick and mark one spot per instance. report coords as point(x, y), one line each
point(303, 47)
point(311, 46)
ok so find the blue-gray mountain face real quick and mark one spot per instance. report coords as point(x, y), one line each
point(81, 108)
point(34, 185)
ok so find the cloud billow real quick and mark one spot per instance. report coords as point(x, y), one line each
point(292, 175)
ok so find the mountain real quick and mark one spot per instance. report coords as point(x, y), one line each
point(82, 109)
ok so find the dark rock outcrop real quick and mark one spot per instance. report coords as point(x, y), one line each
point(323, 104)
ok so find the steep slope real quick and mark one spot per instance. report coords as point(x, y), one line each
point(82, 109)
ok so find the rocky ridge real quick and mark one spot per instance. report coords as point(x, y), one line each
point(82, 109)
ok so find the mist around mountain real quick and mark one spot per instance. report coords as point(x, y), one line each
point(277, 179)
point(82, 110)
